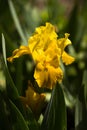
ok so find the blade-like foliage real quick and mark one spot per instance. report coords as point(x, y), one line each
point(55, 116)
point(85, 86)
point(81, 106)
point(13, 93)
point(5, 124)
point(20, 121)
point(3, 48)
point(80, 116)
point(32, 123)
point(16, 21)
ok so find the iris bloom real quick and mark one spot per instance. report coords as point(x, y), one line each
point(47, 50)
point(34, 100)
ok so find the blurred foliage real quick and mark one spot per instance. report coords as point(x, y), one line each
point(18, 20)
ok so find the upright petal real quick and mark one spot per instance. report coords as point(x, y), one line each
point(63, 42)
point(42, 37)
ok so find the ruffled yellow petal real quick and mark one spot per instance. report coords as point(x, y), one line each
point(55, 74)
point(41, 75)
point(19, 52)
point(42, 37)
point(55, 61)
point(67, 59)
point(48, 29)
point(47, 76)
point(38, 55)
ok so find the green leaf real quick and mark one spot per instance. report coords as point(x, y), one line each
point(81, 105)
point(13, 93)
point(4, 49)
point(84, 82)
point(32, 123)
point(5, 123)
point(80, 115)
point(69, 98)
point(16, 21)
point(55, 115)
point(20, 121)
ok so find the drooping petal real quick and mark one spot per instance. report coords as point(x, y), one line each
point(55, 61)
point(55, 74)
point(67, 59)
point(41, 76)
point(19, 52)
point(47, 76)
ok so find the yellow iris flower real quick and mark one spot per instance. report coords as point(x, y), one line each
point(47, 50)
point(34, 100)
